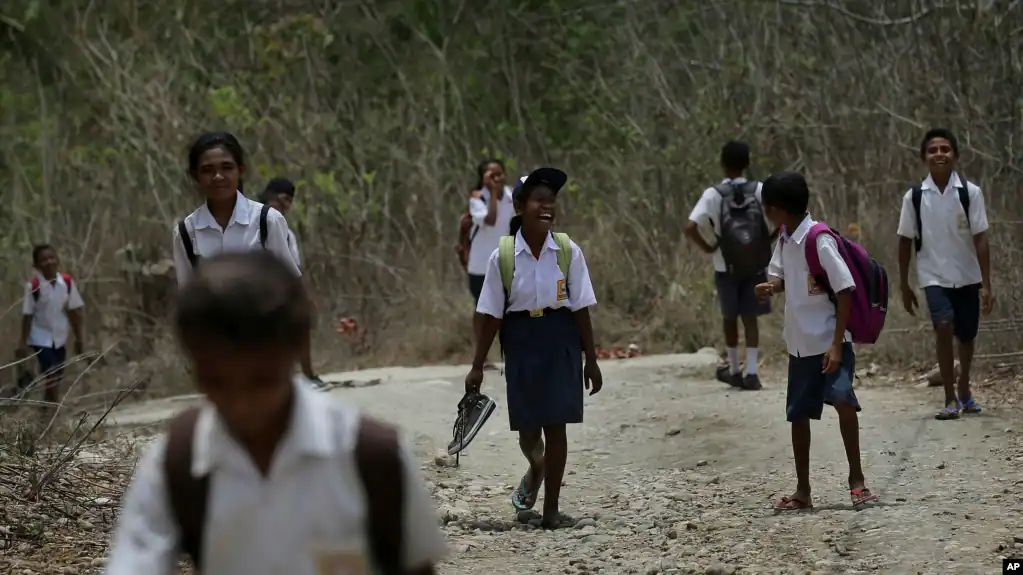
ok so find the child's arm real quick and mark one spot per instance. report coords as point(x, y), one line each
point(28, 310)
point(842, 284)
point(907, 235)
point(701, 215)
point(74, 315)
point(424, 544)
point(146, 537)
point(776, 271)
point(582, 298)
point(979, 227)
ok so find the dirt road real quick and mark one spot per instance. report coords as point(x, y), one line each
point(674, 473)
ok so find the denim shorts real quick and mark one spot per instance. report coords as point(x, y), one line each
point(810, 389)
point(958, 306)
point(738, 298)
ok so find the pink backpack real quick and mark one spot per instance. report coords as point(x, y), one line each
point(870, 298)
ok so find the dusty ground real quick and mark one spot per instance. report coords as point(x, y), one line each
point(674, 473)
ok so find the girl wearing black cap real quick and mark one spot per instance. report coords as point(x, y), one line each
point(537, 293)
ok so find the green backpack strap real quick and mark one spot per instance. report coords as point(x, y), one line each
point(564, 244)
point(506, 261)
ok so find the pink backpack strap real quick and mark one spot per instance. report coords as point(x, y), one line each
point(34, 284)
point(813, 257)
point(67, 282)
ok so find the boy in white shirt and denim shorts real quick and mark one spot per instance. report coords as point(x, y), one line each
point(821, 358)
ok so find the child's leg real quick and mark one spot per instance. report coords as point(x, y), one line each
point(555, 459)
point(942, 317)
point(849, 424)
point(966, 323)
point(728, 297)
point(804, 401)
point(532, 446)
point(839, 393)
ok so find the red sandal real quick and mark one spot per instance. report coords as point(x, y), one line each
point(861, 496)
point(792, 504)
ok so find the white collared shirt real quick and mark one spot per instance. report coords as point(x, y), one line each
point(50, 325)
point(707, 215)
point(947, 256)
point(537, 283)
point(310, 507)
point(486, 238)
point(809, 313)
point(242, 234)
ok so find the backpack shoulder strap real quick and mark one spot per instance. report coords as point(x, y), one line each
point(67, 281)
point(188, 494)
point(186, 241)
point(34, 284)
point(813, 257)
point(378, 458)
point(564, 244)
point(263, 213)
point(964, 196)
point(917, 197)
point(506, 261)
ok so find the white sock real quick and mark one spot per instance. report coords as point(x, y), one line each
point(751, 361)
point(733, 359)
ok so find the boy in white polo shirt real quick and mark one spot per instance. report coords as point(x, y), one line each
point(268, 476)
point(944, 220)
point(821, 359)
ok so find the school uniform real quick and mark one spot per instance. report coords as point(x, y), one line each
point(50, 325)
point(539, 335)
point(484, 238)
point(242, 234)
point(947, 266)
point(810, 324)
point(309, 511)
point(736, 297)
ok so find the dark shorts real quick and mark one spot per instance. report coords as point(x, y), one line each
point(738, 298)
point(957, 306)
point(476, 286)
point(810, 388)
point(51, 359)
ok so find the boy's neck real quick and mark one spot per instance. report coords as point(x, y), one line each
point(49, 277)
point(941, 180)
point(734, 175)
point(263, 447)
point(793, 222)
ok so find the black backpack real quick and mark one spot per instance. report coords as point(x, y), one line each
point(918, 196)
point(186, 240)
point(744, 239)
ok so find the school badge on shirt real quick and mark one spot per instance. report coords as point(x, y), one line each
point(812, 287)
point(562, 290)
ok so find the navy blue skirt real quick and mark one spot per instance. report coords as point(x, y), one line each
point(543, 367)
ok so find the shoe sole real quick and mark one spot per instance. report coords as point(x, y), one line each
point(470, 434)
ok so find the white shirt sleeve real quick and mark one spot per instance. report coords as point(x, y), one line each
point(28, 305)
point(706, 208)
point(424, 542)
point(839, 276)
point(146, 537)
point(492, 295)
point(74, 298)
point(978, 212)
point(580, 288)
point(776, 268)
point(759, 194)
point(182, 267)
point(277, 239)
point(477, 208)
point(907, 218)
point(293, 246)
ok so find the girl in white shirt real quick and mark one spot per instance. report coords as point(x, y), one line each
point(227, 221)
point(545, 329)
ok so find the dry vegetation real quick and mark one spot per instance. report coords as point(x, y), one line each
point(381, 109)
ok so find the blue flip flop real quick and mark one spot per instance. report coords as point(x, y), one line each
point(522, 500)
point(971, 406)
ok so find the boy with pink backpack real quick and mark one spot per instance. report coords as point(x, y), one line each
point(835, 295)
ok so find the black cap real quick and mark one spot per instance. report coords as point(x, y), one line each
point(553, 178)
point(281, 186)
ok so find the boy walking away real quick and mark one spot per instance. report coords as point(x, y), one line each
point(742, 250)
point(944, 221)
point(267, 476)
point(280, 195)
point(809, 266)
point(51, 306)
